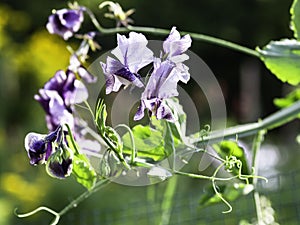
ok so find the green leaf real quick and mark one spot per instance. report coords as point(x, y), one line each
point(295, 18)
point(179, 127)
point(109, 135)
point(282, 58)
point(230, 192)
point(169, 147)
point(155, 142)
point(83, 171)
point(148, 143)
point(231, 148)
point(288, 100)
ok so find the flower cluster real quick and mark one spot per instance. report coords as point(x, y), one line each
point(133, 54)
point(66, 88)
point(59, 96)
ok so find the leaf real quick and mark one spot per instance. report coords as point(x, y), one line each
point(295, 18)
point(230, 192)
point(106, 132)
point(231, 148)
point(169, 147)
point(83, 171)
point(282, 58)
point(179, 127)
point(148, 143)
point(288, 100)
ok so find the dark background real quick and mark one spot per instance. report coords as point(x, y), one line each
point(29, 56)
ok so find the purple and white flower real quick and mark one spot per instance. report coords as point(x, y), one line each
point(132, 54)
point(77, 67)
point(58, 96)
point(175, 46)
point(162, 84)
point(39, 146)
point(60, 164)
point(65, 22)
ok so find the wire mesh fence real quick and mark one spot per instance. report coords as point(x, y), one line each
point(283, 191)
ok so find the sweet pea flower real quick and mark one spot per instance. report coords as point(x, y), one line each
point(65, 22)
point(132, 54)
point(175, 46)
point(58, 96)
point(117, 13)
point(60, 164)
point(77, 67)
point(162, 84)
point(39, 146)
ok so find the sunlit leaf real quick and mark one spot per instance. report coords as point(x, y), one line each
point(83, 171)
point(107, 132)
point(295, 18)
point(155, 141)
point(149, 143)
point(282, 58)
point(179, 126)
point(288, 100)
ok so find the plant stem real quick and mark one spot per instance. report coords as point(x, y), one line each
point(255, 148)
point(160, 31)
point(83, 196)
point(166, 206)
point(272, 121)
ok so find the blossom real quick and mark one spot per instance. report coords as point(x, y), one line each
point(58, 96)
point(175, 46)
point(162, 84)
point(77, 67)
point(117, 13)
point(65, 22)
point(60, 164)
point(132, 54)
point(39, 146)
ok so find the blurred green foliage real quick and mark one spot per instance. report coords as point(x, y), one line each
point(29, 56)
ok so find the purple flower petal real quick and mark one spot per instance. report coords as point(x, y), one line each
point(77, 67)
point(174, 46)
point(162, 84)
point(39, 146)
point(65, 22)
point(61, 169)
point(133, 54)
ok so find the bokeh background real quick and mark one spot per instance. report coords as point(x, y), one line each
point(29, 56)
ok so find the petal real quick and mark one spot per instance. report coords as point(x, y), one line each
point(86, 75)
point(60, 170)
point(164, 112)
point(112, 83)
point(174, 45)
point(133, 52)
point(71, 19)
point(35, 142)
point(162, 82)
point(140, 112)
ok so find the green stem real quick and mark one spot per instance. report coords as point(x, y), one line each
point(275, 120)
point(255, 148)
point(133, 149)
point(160, 31)
point(166, 206)
point(70, 206)
point(100, 184)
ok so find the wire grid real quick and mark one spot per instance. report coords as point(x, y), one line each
point(282, 189)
